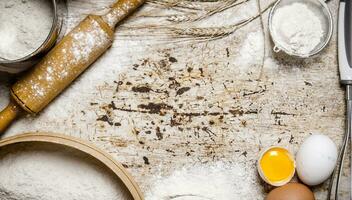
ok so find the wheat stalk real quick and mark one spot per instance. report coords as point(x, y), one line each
point(214, 32)
point(207, 13)
point(196, 33)
point(195, 10)
point(176, 4)
point(264, 43)
point(208, 31)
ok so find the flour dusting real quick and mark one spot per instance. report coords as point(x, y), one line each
point(252, 50)
point(86, 43)
point(298, 28)
point(219, 181)
point(24, 26)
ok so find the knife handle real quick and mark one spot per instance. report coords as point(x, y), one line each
point(345, 42)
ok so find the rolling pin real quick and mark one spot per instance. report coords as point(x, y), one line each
point(65, 62)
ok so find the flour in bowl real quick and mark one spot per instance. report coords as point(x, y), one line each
point(42, 172)
point(297, 28)
point(24, 26)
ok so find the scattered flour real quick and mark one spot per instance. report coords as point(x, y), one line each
point(252, 50)
point(86, 42)
point(208, 182)
point(297, 28)
point(271, 64)
point(43, 172)
point(24, 26)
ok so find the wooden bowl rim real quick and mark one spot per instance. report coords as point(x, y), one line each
point(83, 146)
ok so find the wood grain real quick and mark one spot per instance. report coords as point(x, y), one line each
point(159, 101)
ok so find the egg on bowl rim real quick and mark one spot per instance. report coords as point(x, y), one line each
point(276, 166)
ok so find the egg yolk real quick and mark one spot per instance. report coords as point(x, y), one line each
point(277, 165)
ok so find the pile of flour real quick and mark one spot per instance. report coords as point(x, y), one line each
point(297, 27)
point(219, 181)
point(44, 172)
point(24, 26)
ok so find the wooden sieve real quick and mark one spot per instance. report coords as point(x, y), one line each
point(81, 146)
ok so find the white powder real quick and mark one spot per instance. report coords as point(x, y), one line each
point(208, 182)
point(24, 26)
point(251, 52)
point(85, 42)
point(298, 28)
point(43, 172)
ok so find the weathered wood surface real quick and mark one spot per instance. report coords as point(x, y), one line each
point(181, 86)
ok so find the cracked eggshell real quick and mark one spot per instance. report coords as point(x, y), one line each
point(316, 159)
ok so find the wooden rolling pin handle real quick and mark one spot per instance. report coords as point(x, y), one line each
point(120, 10)
point(8, 115)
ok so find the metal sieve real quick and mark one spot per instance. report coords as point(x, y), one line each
point(59, 8)
point(320, 8)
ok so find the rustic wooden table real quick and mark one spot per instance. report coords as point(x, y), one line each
point(195, 82)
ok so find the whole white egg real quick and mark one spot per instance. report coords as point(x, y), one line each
point(316, 159)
